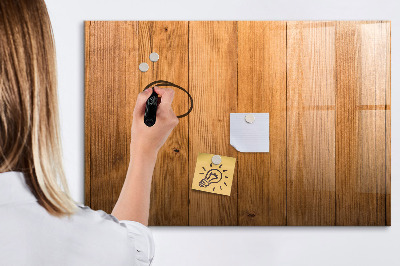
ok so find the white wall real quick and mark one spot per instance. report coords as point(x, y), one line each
point(230, 245)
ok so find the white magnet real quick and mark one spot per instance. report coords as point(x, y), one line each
point(216, 159)
point(249, 118)
point(143, 67)
point(154, 57)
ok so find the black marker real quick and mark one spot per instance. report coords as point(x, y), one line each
point(151, 109)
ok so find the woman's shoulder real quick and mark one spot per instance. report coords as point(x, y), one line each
point(86, 214)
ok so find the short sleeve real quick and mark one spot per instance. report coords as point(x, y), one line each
point(142, 239)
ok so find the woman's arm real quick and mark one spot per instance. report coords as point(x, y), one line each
point(134, 201)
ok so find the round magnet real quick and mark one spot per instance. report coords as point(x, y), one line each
point(154, 57)
point(249, 118)
point(216, 159)
point(143, 67)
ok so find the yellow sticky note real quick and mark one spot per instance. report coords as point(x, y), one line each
point(214, 178)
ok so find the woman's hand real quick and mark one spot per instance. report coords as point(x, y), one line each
point(150, 139)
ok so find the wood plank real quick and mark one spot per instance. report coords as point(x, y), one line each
point(361, 58)
point(388, 124)
point(213, 85)
point(348, 87)
point(310, 130)
point(374, 42)
point(89, 39)
point(169, 197)
point(262, 89)
point(145, 47)
point(105, 82)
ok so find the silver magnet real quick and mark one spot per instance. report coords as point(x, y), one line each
point(216, 159)
point(249, 118)
point(154, 57)
point(143, 67)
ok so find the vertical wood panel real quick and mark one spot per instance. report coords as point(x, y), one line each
point(348, 89)
point(213, 85)
point(106, 70)
point(121, 47)
point(262, 89)
point(89, 39)
point(372, 162)
point(145, 37)
point(310, 123)
point(388, 124)
point(170, 195)
point(360, 123)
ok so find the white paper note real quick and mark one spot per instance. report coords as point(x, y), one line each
point(249, 137)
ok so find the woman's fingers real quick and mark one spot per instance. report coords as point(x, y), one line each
point(167, 95)
point(141, 102)
point(165, 109)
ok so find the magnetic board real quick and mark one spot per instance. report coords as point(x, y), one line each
point(325, 85)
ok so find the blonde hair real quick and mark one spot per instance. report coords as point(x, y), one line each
point(29, 123)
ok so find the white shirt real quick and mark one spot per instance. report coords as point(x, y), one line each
point(29, 235)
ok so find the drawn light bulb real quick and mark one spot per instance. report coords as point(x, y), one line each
point(212, 176)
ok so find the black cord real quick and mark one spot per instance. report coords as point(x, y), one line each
point(170, 84)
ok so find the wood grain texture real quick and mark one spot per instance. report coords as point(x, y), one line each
point(107, 57)
point(310, 130)
point(213, 85)
point(348, 87)
point(362, 54)
point(262, 89)
point(326, 86)
point(88, 112)
point(169, 197)
point(388, 124)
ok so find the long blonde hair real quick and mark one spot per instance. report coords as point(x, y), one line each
point(29, 123)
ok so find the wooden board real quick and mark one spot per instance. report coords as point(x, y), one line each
point(326, 86)
point(213, 86)
point(109, 51)
point(114, 75)
point(388, 123)
point(262, 89)
point(311, 123)
point(170, 177)
point(362, 53)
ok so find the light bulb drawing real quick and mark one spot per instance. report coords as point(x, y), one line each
point(213, 176)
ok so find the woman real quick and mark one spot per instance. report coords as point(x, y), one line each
point(39, 222)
